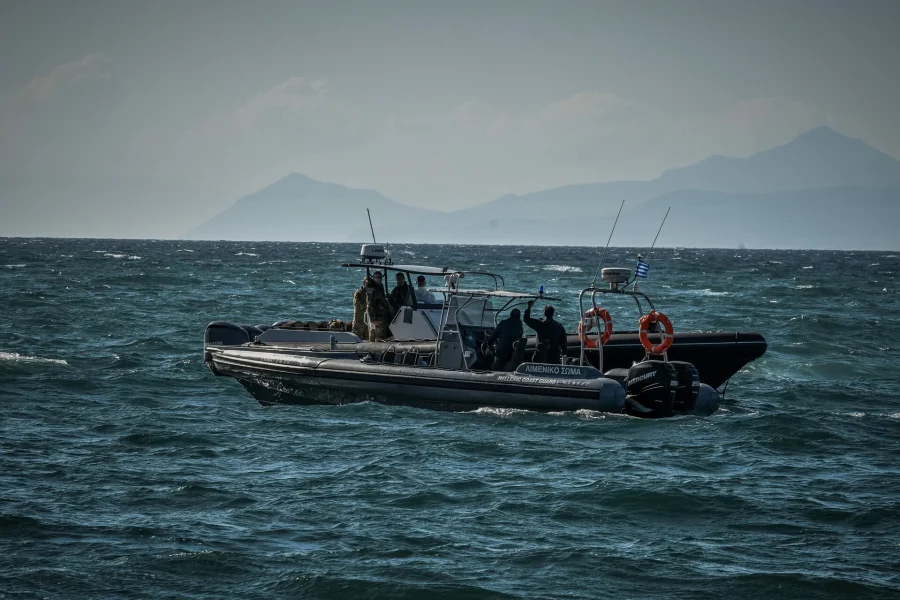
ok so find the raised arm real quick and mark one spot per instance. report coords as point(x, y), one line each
point(533, 323)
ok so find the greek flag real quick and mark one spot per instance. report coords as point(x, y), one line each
point(643, 269)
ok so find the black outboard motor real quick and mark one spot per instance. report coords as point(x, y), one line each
point(650, 389)
point(688, 386)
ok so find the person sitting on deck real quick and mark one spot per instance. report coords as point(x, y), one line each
point(423, 296)
point(507, 332)
point(551, 336)
point(401, 295)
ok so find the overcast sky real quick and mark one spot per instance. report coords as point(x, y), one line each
point(145, 118)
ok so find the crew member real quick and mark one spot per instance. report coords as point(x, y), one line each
point(507, 332)
point(376, 276)
point(551, 336)
point(423, 296)
point(401, 295)
point(378, 312)
point(359, 311)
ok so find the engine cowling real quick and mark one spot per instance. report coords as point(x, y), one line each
point(687, 388)
point(650, 389)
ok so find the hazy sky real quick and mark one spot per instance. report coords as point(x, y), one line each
point(145, 118)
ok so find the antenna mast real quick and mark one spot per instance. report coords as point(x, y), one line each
point(600, 264)
point(649, 252)
point(657, 232)
point(372, 229)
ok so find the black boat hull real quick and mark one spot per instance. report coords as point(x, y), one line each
point(289, 378)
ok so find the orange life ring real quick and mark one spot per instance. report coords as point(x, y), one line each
point(587, 323)
point(668, 332)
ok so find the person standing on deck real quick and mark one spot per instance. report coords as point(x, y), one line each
point(359, 311)
point(376, 277)
point(551, 336)
point(378, 312)
point(507, 332)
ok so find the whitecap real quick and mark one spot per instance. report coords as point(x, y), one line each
point(16, 357)
point(804, 287)
point(125, 256)
point(246, 254)
point(587, 414)
point(563, 268)
point(807, 267)
point(14, 266)
point(289, 281)
point(500, 412)
point(706, 292)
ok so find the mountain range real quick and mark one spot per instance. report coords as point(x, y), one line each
point(821, 190)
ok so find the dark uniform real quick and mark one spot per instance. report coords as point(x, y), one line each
point(401, 295)
point(551, 338)
point(507, 332)
point(378, 313)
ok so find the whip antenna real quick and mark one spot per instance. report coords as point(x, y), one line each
point(657, 232)
point(643, 268)
point(600, 264)
point(372, 229)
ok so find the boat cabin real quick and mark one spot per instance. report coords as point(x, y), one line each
point(449, 303)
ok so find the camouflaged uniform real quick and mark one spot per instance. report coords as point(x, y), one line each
point(359, 314)
point(378, 312)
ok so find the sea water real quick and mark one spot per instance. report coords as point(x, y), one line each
point(127, 470)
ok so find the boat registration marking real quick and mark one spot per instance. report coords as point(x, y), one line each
point(543, 380)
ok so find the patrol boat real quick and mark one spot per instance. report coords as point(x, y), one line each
point(437, 357)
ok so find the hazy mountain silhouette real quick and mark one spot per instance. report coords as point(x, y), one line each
point(300, 208)
point(819, 158)
point(822, 190)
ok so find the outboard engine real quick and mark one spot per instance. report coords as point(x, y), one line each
point(650, 389)
point(687, 388)
point(707, 400)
